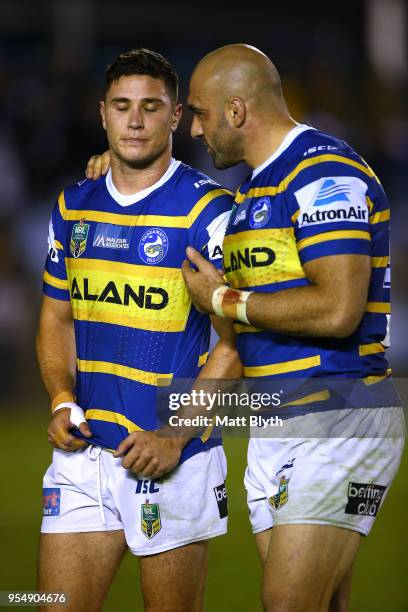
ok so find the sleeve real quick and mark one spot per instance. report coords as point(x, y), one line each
point(55, 282)
point(330, 215)
point(209, 227)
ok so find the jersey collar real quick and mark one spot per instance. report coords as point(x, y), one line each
point(133, 198)
point(286, 142)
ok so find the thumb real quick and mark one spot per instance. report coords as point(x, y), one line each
point(196, 258)
point(85, 430)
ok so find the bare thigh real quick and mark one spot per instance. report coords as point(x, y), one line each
point(307, 568)
point(174, 581)
point(82, 565)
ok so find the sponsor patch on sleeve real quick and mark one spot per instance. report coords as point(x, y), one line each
point(364, 499)
point(216, 232)
point(332, 199)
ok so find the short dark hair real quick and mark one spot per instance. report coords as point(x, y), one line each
point(146, 62)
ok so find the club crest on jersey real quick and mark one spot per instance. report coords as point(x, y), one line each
point(260, 213)
point(281, 498)
point(153, 246)
point(150, 519)
point(79, 237)
point(51, 501)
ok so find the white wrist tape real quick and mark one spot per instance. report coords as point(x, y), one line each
point(232, 303)
point(77, 415)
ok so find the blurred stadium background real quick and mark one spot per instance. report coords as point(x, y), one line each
point(344, 69)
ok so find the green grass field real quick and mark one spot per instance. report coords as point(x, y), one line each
point(381, 577)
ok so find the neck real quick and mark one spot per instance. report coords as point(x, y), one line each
point(128, 180)
point(265, 140)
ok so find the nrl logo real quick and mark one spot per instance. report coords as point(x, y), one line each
point(79, 237)
point(150, 519)
point(281, 498)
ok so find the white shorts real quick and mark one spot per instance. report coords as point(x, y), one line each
point(326, 481)
point(89, 490)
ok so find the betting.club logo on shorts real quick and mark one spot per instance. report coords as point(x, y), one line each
point(153, 246)
point(260, 213)
point(364, 499)
point(51, 502)
point(220, 493)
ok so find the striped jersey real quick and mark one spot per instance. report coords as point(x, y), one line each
point(315, 197)
point(117, 259)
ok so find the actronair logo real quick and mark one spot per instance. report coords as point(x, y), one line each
point(351, 213)
point(333, 199)
point(364, 499)
point(331, 192)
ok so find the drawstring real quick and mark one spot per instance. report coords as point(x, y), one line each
point(97, 456)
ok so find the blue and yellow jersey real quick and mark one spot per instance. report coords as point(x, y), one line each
point(117, 259)
point(314, 198)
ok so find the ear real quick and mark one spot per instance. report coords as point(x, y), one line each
point(175, 120)
point(236, 112)
point(103, 113)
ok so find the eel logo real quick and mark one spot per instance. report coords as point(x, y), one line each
point(260, 213)
point(153, 246)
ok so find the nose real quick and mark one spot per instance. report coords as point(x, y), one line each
point(196, 129)
point(135, 120)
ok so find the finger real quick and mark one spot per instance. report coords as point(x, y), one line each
point(150, 468)
point(85, 430)
point(105, 162)
point(196, 258)
point(89, 167)
point(139, 465)
point(187, 271)
point(201, 263)
point(97, 168)
point(124, 447)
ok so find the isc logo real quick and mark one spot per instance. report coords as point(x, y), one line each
point(146, 486)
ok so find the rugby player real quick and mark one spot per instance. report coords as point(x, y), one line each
point(306, 258)
point(116, 322)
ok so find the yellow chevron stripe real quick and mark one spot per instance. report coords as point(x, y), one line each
point(336, 235)
point(202, 359)
point(207, 433)
point(281, 368)
point(379, 262)
point(370, 204)
point(128, 270)
point(384, 215)
point(283, 185)
point(112, 417)
point(382, 307)
point(370, 349)
point(202, 203)
point(372, 380)
point(181, 221)
point(105, 367)
point(59, 245)
point(54, 281)
point(295, 216)
point(319, 396)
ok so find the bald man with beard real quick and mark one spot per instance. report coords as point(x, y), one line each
point(306, 259)
point(306, 262)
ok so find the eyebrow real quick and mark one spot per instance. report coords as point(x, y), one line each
point(145, 100)
point(193, 108)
